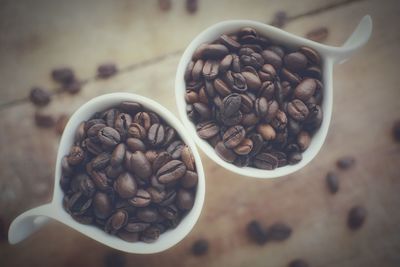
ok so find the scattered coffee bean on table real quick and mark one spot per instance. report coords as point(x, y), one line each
point(44, 120)
point(256, 102)
point(114, 259)
point(257, 232)
point(318, 34)
point(63, 75)
point(191, 6)
point(396, 131)
point(200, 247)
point(279, 231)
point(129, 173)
point(39, 96)
point(72, 87)
point(332, 181)
point(346, 162)
point(106, 70)
point(280, 19)
point(356, 217)
point(298, 263)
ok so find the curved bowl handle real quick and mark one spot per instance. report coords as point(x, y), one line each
point(29, 222)
point(357, 39)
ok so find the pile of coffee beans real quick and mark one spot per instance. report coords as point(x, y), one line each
point(257, 103)
point(129, 173)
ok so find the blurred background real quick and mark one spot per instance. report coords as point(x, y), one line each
point(145, 40)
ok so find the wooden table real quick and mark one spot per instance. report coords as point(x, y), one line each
point(36, 36)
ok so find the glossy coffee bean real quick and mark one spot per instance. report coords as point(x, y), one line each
point(109, 136)
point(189, 180)
point(136, 130)
point(140, 165)
point(118, 155)
point(305, 89)
point(116, 221)
point(125, 185)
point(233, 136)
point(265, 161)
point(171, 171)
point(207, 129)
point(298, 110)
point(356, 217)
point(141, 199)
point(224, 152)
point(295, 61)
point(188, 158)
point(102, 205)
point(160, 160)
point(148, 215)
point(244, 147)
point(185, 199)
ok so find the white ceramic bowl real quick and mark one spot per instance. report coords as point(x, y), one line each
point(28, 222)
point(329, 55)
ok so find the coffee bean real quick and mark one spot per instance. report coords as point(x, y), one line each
point(246, 105)
point(116, 221)
point(141, 167)
point(295, 61)
point(200, 247)
point(39, 96)
point(273, 108)
point(191, 6)
point(101, 161)
point(188, 158)
point(221, 87)
point(298, 263)
point(280, 121)
point(233, 136)
point(224, 152)
point(63, 75)
point(170, 135)
point(141, 199)
point(156, 134)
point(346, 162)
point(294, 158)
point(171, 171)
point(75, 156)
point(214, 51)
point(130, 107)
point(266, 131)
point(225, 63)
point(270, 57)
point(135, 226)
point(175, 149)
point(143, 119)
point(244, 147)
point(210, 69)
point(236, 81)
point(202, 110)
point(311, 54)
point(229, 42)
point(189, 180)
point(152, 233)
point(298, 110)
point(356, 217)
point(318, 34)
point(118, 155)
point(305, 89)
point(148, 215)
point(160, 160)
point(136, 130)
point(125, 185)
point(265, 161)
point(303, 140)
point(279, 231)
point(102, 205)
point(253, 81)
point(257, 233)
point(109, 136)
point(231, 104)
point(185, 199)
point(44, 120)
point(332, 181)
point(106, 70)
point(279, 20)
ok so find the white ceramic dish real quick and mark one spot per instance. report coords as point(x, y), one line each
point(30, 221)
point(330, 56)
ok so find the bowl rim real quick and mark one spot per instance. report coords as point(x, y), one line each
point(210, 34)
point(167, 239)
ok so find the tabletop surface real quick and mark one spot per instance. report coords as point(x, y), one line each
point(37, 36)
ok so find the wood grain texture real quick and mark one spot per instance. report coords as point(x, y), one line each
point(366, 103)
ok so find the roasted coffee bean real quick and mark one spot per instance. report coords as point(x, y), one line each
point(169, 198)
point(225, 63)
point(102, 205)
point(136, 130)
point(266, 131)
point(100, 180)
point(267, 73)
point(233, 136)
point(128, 237)
point(261, 107)
point(273, 108)
point(295, 61)
point(253, 81)
point(280, 121)
point(224, 152)
point(143, 119)
point(214, 51)
point(78, 204)
point(135, 226)
point(175, 149)
point(242, 161)
point(125, 185)
point(236, 81)
point(75, 156)
point(94, 130)
point(221, 87)
point(152, 233)
point(157, 194)
point(114, 172)
point(171, 171)
point(298, 263)
point(141, 199)
point(118, 155)
point(135, 144)
point(294, 158)
point(305, 89)
point(197, 70)
point(332, 181)
point(156, 134)
point(188, 158)
point(231, 104)
point(101, 161)
point(257, 233)
point(311, 54)
point(109, 136)
point(141, 167)
point(63, 75)
point(396, 131)
point(185, 199)
point(116, 221)
point(106, 70)
point(202, 110)
point(246, 103)
point(151, 155)
point(233, 119)
point(244, 147)
point(169, 212)
point(279, 231)
point(280, 19)
point(200, 247)
point(270, 57)
point(298, 110)
point(281, 157)
point(39, 96)
point(210, 69)
point(130, 107)
point(44, 120)
point(160, 160)
point(356, 217)
point(148, 215)
point(258, 141)
point(229, 42)
point(249, 119)
point(303, 140)
point(110, 116)
point(189, 180)
point(265, 161)
point(346, 162)
point(191, 97)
